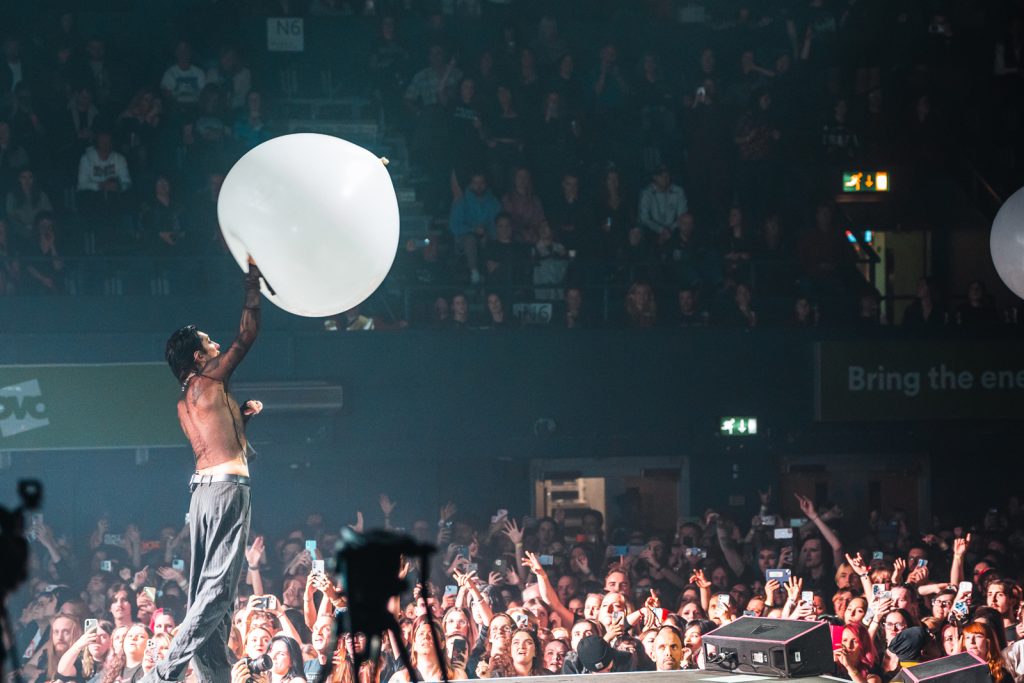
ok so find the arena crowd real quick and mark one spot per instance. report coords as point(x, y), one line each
point(519, 596)
point(686, 180)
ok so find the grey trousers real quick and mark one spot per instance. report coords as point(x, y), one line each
point(219, 529)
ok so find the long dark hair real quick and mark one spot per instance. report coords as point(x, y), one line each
point(89, 665)
point(20, 198)
point(537, 668)
point(294, 655)
point(181, 351)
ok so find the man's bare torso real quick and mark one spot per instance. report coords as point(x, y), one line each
point(212, 421)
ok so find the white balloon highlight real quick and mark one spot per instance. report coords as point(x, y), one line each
point(319, 216)
point(1007, 242)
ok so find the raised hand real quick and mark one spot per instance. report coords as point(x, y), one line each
point(770, 589)
point(254, 552)
point(45, 535)
point(358, 526)
point(882, 606)
point(898, 565)
point(512, 530)
point(652, 602)
point(387, 506)
point(615, 630)
point(495, 579)
point(857, 564)
point(697, 577)
point(447, 512)
point(806, 506)
point(960, 545)
point(531, 560)
point(406, 569)
point(87, 639)
point(804, 611)
point(918, 575)
point(512, 577)
point(458, 563)
point(583, 563)
point(460, 578)
point(141, 577)
point(170, 574)
point(793, 588)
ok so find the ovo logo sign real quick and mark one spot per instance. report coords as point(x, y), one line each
point(22, 408)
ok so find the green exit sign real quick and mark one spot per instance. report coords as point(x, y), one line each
point(865, 181)
point(738, 426)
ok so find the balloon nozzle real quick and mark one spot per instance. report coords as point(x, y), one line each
point(384, 160)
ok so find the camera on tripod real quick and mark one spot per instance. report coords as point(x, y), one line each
point(14, 551)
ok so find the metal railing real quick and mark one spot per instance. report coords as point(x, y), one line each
point(401, 297)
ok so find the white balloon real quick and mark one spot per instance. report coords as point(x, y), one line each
point(319, 216)
point(1007, 242)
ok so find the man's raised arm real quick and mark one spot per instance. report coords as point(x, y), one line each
point(221, 367)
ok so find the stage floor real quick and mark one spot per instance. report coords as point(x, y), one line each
point(689, 676)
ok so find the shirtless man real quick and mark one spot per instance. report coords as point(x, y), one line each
point(219, 511)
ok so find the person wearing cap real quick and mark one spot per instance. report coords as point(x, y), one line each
point(595, 656)
point(906, 646)
point(661, 204)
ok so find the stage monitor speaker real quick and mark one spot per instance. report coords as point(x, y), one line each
point(779, 647)
point(959, 668)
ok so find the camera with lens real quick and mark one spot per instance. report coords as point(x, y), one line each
point(258, 665)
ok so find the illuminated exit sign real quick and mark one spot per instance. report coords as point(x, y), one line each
point(738, 426)
point(865, 181)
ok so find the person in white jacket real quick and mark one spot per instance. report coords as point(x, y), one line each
point(101, 169)
point(103, 185)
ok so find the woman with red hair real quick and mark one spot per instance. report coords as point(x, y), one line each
point(980, 641)
point(856, 655)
